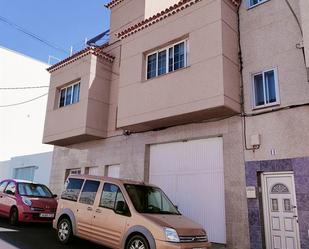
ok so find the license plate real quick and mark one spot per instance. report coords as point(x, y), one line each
point(47, 215)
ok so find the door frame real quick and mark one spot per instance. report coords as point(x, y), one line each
point(266, 206)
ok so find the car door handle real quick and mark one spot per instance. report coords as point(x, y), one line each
point(89, 208)
point(98, 211)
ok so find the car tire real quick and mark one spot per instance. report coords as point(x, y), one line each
point(13, 218)
point(137, 242)
point(64, 231)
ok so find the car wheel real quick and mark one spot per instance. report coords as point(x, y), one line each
point(13, 219)
point(137, 242)
point(64, 231)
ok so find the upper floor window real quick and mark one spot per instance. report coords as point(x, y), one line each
point(252, 3)
point(167, 60)
point(69, 95)
point(265, 89)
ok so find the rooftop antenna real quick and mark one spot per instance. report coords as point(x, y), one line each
point(51, 57)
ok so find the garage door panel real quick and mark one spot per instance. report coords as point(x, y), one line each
point(191, 174)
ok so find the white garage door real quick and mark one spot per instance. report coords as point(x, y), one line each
point(191, 174)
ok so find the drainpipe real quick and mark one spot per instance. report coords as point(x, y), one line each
point(242, 101)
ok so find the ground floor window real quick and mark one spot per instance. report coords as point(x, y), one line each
point(25, 173)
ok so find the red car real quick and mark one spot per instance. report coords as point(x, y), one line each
point(24, 201)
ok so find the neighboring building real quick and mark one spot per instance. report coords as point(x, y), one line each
point(34, 168)
point(21, 125)
point(162, 102)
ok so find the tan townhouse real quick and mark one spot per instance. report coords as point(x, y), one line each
point(205, 98)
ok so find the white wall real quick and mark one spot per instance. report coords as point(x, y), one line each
point(21, 127)
point(42, 162)
point(4, 170)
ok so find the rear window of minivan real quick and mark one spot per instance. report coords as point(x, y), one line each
point(72, 189)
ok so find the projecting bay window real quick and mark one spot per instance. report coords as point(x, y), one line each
point(167, 60)
point(69, 95)
point(265, 89)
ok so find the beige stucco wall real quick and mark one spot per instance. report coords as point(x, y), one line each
point(154, 7)
point(211, 80)
point(89, 116)
point(132, 155)
point(124, 15)
point(269, 34)
point(304, 10)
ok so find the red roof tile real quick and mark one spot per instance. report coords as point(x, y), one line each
point(113, 3)
point(97, 51)
point(181, 5)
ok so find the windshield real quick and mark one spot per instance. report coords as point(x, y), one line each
point(148, 199)
point(34, 190)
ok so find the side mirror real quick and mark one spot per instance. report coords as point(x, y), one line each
point(55, 196)
point(120, 207)
point(176, 206)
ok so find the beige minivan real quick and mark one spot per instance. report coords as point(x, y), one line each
point(123, 214)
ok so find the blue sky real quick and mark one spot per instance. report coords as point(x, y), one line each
point(61, 22)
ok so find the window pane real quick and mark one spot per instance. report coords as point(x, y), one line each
point(152, 66)
point(253, 2)
point(179, 56)
point(26, 173)
point(148, 199)
point(270, 87)
point(89, 192)
point(162, 62)
point(3, 185)
point(76, 90)
point(62, 97)
point(171, 59)
point(34, 190)
point(287, 205)
point(274, 205)
point(259, 90)
point(11, 188)
point(68, 95)
point(108, 196)
point(72, 189)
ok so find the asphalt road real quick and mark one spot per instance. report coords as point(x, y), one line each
point(36, 236)
point(42, 236)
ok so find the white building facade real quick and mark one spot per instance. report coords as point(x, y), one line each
point(23, 85)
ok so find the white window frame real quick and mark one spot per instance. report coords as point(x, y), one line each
point(186, 48)
point(65, 95)
point(254, 106)
point(76, 171)
point(249, 6)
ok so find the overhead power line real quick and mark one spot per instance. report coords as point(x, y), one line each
point(32, 35)
point(24, 102)
point(23, 88)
